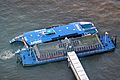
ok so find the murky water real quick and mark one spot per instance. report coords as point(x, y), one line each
point(19, 16)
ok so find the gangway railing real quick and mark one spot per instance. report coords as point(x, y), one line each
point(36, 50)
point(76, 66)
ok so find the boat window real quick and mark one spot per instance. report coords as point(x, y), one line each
point(85, 26)
point(91, 31)
point(49, 32)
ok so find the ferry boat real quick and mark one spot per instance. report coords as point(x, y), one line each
point(52, 44)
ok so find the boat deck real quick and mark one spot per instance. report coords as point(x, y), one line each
point(61, 47)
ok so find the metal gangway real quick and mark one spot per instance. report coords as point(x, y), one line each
point(76, 66)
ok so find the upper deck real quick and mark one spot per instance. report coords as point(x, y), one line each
point(58, 32)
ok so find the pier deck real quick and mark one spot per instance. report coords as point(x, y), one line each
point(76, 66)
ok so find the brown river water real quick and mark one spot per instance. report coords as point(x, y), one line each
point(19, 16)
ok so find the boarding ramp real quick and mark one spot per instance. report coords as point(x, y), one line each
point(76, 66)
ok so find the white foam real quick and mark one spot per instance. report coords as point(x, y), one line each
point(7, 54)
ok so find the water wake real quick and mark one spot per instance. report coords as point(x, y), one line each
point(7, 54)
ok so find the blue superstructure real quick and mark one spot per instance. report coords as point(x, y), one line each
point(45, 35)
point(52, 44)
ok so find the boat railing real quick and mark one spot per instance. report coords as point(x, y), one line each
point(51, 55)
point(88, 48)
point(60, 53)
